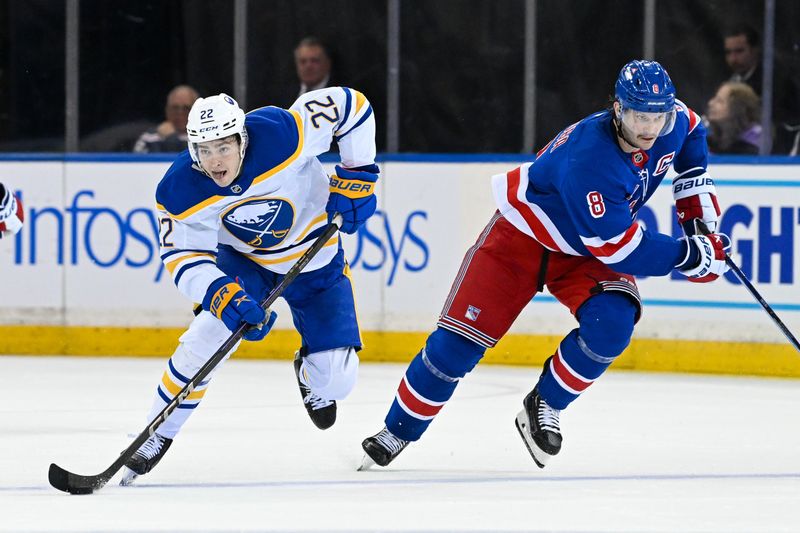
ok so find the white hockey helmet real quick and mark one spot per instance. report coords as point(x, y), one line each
point(212, 118)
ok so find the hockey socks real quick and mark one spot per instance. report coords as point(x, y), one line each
point(429, 382)
point(171, 384)
point(606, 326)
point(569, 372)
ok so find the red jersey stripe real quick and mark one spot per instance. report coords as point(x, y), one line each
point(539, 231)
point(609, 248)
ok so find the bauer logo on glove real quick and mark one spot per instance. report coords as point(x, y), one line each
point(351, 188)
point(352, 194)
point(222, 297)
point(225, 291)
point(705, 257)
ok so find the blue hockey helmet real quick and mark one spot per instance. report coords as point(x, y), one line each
point(645, 86)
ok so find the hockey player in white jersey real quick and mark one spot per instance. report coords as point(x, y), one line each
point(236, 210)
point(11, 213)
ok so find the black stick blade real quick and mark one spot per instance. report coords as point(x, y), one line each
point(74, 483)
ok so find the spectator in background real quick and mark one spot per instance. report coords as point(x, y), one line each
point(734, 120)
point(313, 66)
point(170, 135)
point(743, 56)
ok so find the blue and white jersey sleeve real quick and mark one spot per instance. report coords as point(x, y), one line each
point(598, 207)
point(341, 114)
point(188, 246)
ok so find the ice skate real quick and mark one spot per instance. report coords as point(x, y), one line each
point(538, 426)
point(322, 412)
point(381, 449)
point(145, 458)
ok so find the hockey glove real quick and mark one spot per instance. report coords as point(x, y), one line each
point(352, 194)
point(695, 198)
point(227, 300)
point(11, 214)
point(705, 257)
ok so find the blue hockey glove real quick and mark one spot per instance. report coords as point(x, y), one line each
point(352, 194)
point(227, 300)
point(260, 330)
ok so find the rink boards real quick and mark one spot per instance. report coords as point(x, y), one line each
point(84, 277)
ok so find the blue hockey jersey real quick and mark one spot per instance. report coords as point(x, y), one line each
point(581, 193)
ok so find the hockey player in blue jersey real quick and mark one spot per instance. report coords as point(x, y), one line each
point(236, 210)
point(567, 221)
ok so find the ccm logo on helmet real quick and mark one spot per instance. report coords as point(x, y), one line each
point(210, 128)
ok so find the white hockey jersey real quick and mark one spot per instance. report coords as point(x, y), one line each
point(275, 209)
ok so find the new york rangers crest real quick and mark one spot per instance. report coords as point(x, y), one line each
point(472, 313)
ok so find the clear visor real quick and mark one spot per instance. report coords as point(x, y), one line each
point(648, 124)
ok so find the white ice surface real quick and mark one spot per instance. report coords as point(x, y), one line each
point(642, 452)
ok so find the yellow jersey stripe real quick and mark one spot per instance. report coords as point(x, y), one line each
point(173, 263)
point(311, 225)
point(274, 170)
point(360, 99)
point(194, 209)
point(284, 259)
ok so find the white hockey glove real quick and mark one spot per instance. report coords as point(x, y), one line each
point(696, 198)
point(11, 214)
point(705, 257)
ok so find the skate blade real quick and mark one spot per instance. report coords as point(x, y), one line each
point(523, 423)
point(128, 477)
point(366, 463)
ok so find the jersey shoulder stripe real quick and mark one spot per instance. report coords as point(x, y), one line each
point(292, 140)
point(185, 190)
point(509, 191)
point(694, 118)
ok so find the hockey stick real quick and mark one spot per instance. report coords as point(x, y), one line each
point(78, 484)
point(746, 282)
point(778, 322)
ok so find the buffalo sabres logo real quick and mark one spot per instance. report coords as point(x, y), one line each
point(260, 222)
